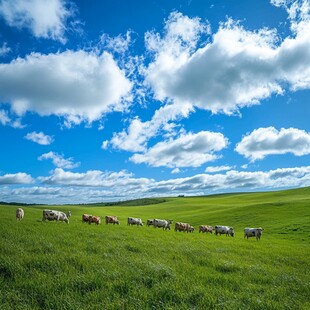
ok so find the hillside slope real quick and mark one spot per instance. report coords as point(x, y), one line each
point(81, 266)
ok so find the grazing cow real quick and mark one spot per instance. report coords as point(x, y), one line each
point(111, 219)
point(162, 223)
point(150, 222)
point(182, 227)
point(191, 229)
point(134, 221)
point(19, 214)
point(94, 219)
point(206, 229)
point(85, 218)
point(253, 232)
point(52, 215)
point(224, 230)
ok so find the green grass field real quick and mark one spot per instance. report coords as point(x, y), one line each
point(81, 266)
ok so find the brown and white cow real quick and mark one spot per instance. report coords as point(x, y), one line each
point(111, 219)
point(206, 229)
point(191, 229)
point(19, 214)
point(85, 218)
point(94, 219)
point(253, 232)
point(179, 226)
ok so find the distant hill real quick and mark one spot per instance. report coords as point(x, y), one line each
point(153, 201)
point(134, 202)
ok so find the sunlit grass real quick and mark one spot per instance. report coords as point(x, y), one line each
point(81, 266)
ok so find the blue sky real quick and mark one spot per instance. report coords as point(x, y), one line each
point(115, 100)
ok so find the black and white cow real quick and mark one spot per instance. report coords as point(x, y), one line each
point(162, 223)
point(150, 222)
point(253, 232)
point(52, 215)
point(224, 230)
point(134, 221)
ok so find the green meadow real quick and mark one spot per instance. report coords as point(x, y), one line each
point(79, 266)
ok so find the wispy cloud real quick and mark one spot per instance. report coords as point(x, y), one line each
point(213, 169)
point(39, 137)
point(4, 49)
point(6, 120)
point(59, 160)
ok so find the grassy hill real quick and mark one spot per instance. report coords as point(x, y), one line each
point(81, 266)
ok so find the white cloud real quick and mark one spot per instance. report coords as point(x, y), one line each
point(95, 178)
point(136, 137)
point(238, 68)
point(39, 137)
point(4, 49)
point(269, 141)
point(105, 145)
point(98, 186)
point(59, 160)
point(17, 178)
point(44, 18)
point(234, 69)
point(6, 120)
point(118, 44)
point(212, 169)
point(298, 12)
point(188, 150)
point(175, 171)
point(4, 117)
point(234, 181)
point(78, 86)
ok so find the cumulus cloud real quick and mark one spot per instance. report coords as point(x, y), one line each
point(270, 141)
point(98, 186)
point(220, 72)
point(188, 150)
point(237, 68)
point(39, 137)
point(17, 178)
point(62, 195)
point(59, 160)
point(234, 181)
point(138, 133)
point(77, 85)
point(125, 182)
point(94, 178)
point(44, 18)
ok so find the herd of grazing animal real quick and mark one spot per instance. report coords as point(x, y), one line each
point(52, 215)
